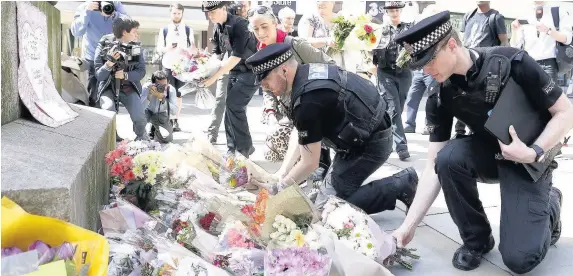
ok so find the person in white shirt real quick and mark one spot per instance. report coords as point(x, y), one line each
point(175, 35)
point(536, 33)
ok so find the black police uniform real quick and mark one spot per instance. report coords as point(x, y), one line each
point(393, 81)
point(346, 113)
point(233, 37)
point(530, 210)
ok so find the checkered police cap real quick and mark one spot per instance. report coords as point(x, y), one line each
point(269, 58)
point(394, 5)
point(420, 40)
point(211, 5)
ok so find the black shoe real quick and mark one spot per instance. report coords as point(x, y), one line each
point(409, 129)
point(556, 232)
point(406, 186)
point(212, 139)
point(468, 259)
point(176, 127)
point(152, 133)
point(403, 155)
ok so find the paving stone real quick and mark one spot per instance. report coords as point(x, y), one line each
point(436, 251)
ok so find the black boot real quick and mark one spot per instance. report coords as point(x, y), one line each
point(403, 155)
point(406, 186)
point(152, 133)
point(176, 127)
point(469, 259)
point(556, 199)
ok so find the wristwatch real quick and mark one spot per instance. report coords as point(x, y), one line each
point(549, 31)
point(539, 152)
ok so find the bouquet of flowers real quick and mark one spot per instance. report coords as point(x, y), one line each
point(241, 261)
point(184, 233)
point(291, 234)
point(121, 165)
point(356, 33)
point(148, 165)
point(297, 261)
point(236, 235)
point(189, 66)
point(358, 231)
point(210, 222)
point(233, 172)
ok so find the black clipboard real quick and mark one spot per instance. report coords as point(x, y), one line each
point(514, 108)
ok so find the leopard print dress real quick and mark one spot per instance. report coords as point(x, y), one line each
point(277, 140)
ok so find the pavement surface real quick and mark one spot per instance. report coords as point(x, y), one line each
point(437, 238)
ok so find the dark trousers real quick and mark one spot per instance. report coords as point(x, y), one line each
point(158, 121)
point(394, 88)
point(174, 81)
point(132, 103)
point(550, 67)
point(240, 91)
point(219, 109)
point(527, 210)
point(347, 173)
point(420, 84)
point(92, 84)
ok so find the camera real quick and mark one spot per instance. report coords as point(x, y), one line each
point(129, 52)
point(106, 7)
point(160, 87)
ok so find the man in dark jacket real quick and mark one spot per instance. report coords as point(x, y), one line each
point(107, 72)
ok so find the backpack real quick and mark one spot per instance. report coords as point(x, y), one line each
point(187, 33)
point(491, 24)
point(564, 53)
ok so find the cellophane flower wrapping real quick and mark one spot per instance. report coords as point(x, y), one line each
point(236, 235)
point(241, 261)
point(357, 230)
point(297, 261)
point(233, 172)
point(356, 32)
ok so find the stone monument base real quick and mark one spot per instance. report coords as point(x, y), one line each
point(59, 172)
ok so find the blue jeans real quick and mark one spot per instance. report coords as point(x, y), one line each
point(420, 84)
point(132, 103)
point(394, 87)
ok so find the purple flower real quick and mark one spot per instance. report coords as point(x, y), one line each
point(66, 252)
point(45, 253)
point(296, 261)
point(9, 251)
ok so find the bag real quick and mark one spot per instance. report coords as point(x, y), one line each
point(564, 53)
point(491, 24)
point(20, 229)
point(204, 99)
point(187, 33)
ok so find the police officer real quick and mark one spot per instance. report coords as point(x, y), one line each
point(530, 210)
point(346, 113)
point(233, 37)
point(393, 81)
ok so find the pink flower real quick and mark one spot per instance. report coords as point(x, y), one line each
point(128, 176)
point(116, 169)
point(368, 28)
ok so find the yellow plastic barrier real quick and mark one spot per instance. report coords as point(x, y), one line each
point(20, 229)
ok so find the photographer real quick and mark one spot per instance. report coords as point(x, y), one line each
point(94, 19)
point(159, 100)
point(118, 60)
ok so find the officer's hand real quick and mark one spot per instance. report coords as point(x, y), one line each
point(119, 75)
point(403, 236)
point(517, 151)
point(208, 82)
point(93, 6)
point(515, 24)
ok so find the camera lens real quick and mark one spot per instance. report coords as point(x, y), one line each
point(107, 8)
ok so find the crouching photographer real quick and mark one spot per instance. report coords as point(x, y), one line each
point(160, 101)
point(120, 66)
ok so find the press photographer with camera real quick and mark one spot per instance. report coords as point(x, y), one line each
point(120, 66)
point(94, 19)
point(159, 99)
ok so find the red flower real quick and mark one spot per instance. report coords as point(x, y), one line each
point(368, 29)
point(248, 210)
point(116, 169)
point(128, 176)
point(126, 162)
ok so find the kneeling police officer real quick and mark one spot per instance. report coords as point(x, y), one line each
point(470, 84)
point(345, 112)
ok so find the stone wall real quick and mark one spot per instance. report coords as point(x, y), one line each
point(10, 98)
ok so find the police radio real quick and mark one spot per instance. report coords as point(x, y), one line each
point(493, 85)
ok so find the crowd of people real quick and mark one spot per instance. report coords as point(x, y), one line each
point(322, 100)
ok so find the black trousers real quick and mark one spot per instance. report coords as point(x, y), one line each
point(393, 87)
point(240, 90)
point(92, 84)
point(527, 210)
point(550, 67)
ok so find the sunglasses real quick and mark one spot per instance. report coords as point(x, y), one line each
point(259, 10)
